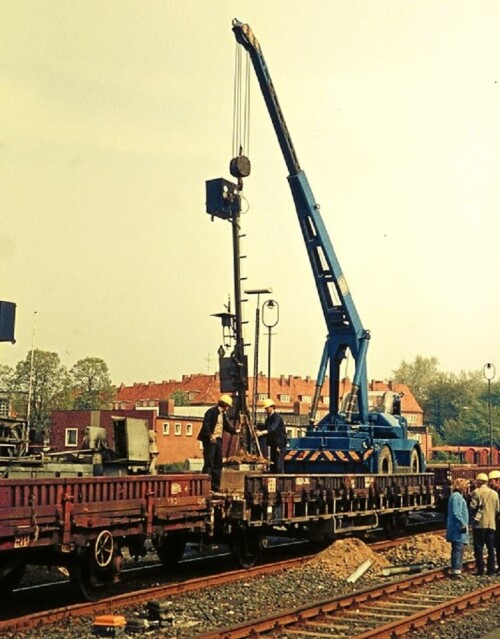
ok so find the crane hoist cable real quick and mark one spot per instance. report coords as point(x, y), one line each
point(240, 164)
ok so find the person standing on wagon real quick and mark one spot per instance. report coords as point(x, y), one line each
point(274, 429)
point(215, 422)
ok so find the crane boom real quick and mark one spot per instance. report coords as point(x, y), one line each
point(344, 327)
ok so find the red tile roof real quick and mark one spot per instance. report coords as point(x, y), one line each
point(205, 390)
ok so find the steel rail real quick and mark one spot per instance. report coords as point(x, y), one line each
point(136, 597)
point(437, 613)
point(286, 620)
point(141, 596)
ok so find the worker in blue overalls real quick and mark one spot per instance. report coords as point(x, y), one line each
point(276, 437)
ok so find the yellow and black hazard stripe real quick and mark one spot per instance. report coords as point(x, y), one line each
point(329, 456)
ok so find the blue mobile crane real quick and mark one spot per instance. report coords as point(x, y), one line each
point(350, 438)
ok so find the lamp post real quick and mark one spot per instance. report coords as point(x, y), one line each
point(489, 373)
point(255, 388)
point(30, 383)
point(270, 317)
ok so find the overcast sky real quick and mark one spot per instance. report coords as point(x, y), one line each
point(114, 113)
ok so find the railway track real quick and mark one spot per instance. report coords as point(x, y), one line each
point(19, 620)
point(382, 612)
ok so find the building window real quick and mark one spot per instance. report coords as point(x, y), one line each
point(71, 437)
point(412, 419)
point(178, 430)
point(284, 398)
point(189, 430)
point(305, 398)
point(4, 408)
point(166, 428)
point(261, 397)
point(192, 395)
point(325, 399)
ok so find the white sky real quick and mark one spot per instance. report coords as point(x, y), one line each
point(114, 113)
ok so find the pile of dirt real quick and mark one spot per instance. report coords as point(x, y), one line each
point(345, 555)
point(420, 549)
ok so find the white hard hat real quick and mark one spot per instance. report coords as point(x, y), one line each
point(482, 477)
point(495, 474)
point(268, 403)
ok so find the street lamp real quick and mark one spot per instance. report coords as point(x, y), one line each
point(30, 383)
point(270, 317)
point(489, 373)
point(255, 389)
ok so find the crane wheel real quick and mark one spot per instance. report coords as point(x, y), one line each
point(385, 465)
point(415, 462)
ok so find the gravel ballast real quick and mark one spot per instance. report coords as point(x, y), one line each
point(189, 615)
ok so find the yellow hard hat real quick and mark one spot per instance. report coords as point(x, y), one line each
point(268, 403)
point(482, 477)
point(495, 474)
point(226, 399)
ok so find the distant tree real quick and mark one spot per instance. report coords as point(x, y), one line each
point(180, 397)
point(91, 384)
point(449, 397)
point(494, 393)
point(418, 376)
point(6, 373)
point(456, 406)
point(472, 428)
point(48, 380)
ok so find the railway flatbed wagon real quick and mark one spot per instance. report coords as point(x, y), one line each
point(83, 524)
point(320, 507)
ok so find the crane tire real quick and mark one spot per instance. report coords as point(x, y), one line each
point(415, 462)
point(385, 464)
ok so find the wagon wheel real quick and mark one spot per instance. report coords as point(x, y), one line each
point(84, 578)
point(394, 524)
point(246, 546)
point(104, 548)
point(93, 569)
point(171, 549)
point(11, 580)
point(385, 463)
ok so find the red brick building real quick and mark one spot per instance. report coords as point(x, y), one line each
point(177, 427)
point(176, 435)
point(67, 427)
point(292, 394)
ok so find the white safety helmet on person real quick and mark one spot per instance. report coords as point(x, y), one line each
point(482, 477)
point(226, 399)
point(494, 474)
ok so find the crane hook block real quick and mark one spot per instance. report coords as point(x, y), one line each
point(240, 167)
